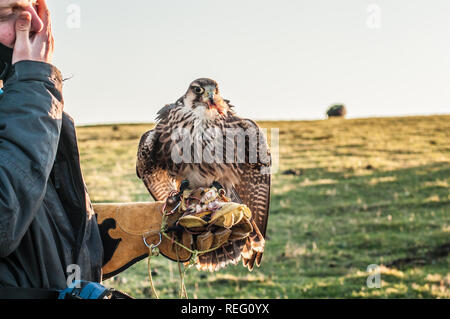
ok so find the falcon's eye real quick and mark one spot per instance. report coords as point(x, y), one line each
point(198, 89)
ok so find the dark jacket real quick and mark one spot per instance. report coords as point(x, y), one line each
point(46, 219)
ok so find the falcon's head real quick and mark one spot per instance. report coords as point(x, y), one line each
point(203, 96)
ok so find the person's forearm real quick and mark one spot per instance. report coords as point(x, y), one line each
point(30, 123)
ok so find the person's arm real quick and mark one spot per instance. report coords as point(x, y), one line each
point(30, 123)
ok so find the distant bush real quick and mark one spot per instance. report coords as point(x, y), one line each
point(337, 110)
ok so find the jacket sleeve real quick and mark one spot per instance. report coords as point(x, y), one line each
point(30, 123)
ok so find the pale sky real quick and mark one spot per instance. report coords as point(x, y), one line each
point(284, 59)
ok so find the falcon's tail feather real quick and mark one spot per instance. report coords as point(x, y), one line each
point(216, 260)
point(250, 250)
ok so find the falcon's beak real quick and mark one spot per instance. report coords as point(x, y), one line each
point(210, 97)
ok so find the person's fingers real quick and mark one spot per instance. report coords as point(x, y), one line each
point(23, 25)
point(43, 12)
point(46, 32)
point(22, 45)
point(36, 22)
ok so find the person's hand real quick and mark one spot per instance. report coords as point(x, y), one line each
point(38, 46)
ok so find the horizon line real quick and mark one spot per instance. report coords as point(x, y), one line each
point(279, 120)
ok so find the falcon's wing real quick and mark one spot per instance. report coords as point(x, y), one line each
point(148, 168)
point(253, 190)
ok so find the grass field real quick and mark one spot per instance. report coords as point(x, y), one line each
point(348, 194)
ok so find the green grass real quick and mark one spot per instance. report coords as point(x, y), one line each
point(367, 191)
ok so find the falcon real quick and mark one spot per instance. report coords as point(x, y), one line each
point(200, 139)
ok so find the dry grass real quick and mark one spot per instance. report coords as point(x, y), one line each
point(358, 192)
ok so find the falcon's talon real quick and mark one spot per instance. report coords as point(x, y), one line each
point(183, 186)
point(217, 186)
